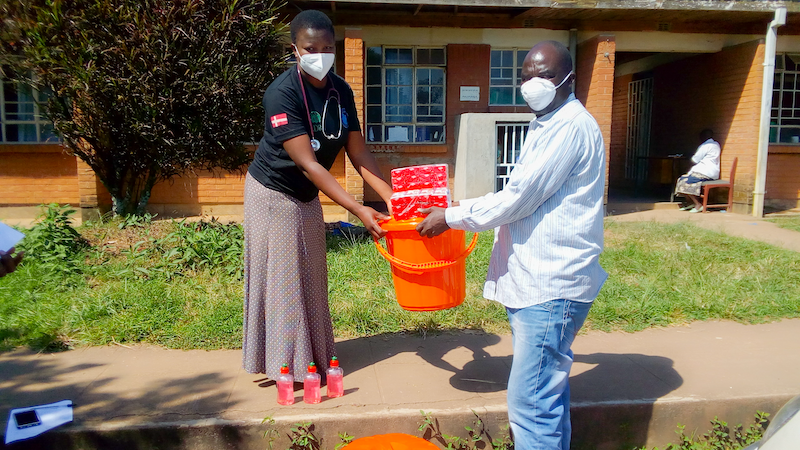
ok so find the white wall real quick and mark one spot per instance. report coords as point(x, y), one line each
point(476, 152)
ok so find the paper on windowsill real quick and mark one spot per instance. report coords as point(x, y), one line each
point(9, 237)
point(398, 134)
point(50, 415)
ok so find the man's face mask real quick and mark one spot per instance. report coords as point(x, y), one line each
point(539, 93)
point(316, 64)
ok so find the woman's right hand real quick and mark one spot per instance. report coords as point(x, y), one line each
point(370, 218)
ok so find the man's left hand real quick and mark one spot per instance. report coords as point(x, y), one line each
point(434, 224)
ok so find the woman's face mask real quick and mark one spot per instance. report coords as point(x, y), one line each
point(538, 92)
point(316, 64)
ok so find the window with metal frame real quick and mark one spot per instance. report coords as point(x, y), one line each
point(405, 95)
point(21, 118)
point(785, 115)
point(510, 137)
point(505, 77)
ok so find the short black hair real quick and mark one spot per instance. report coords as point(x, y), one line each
point(310, 18)
point(707, 134)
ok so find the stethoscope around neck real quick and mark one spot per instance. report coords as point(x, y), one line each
point(315, 145)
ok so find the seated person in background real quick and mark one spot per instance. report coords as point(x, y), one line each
point(706, 168)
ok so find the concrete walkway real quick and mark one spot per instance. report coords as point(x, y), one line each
point(627, 389)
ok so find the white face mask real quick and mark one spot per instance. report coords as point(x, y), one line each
point(539, 93)
point(317, 64)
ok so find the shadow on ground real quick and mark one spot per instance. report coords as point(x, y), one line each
point(612, 393)
point(28, 381)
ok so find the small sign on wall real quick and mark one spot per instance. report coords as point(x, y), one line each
point(470, 93)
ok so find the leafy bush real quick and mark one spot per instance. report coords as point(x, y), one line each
point(53, 243)
point(192, 246)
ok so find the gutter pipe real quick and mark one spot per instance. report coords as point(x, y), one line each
point(766, 107)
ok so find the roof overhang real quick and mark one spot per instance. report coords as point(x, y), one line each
point(663, 5)
point(681, 16)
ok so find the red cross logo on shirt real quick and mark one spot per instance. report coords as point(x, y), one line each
point(278, 120)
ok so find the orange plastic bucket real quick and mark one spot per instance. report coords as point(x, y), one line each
point(429, 274)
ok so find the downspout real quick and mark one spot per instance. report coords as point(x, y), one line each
point(766, 107)
point(573, 50)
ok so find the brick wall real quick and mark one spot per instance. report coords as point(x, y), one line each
point(721, 91)
point(467, 65)
point(34, 174)
point(354, 75)
point(783, 181)
point(594, 84)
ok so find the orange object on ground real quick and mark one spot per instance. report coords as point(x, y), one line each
point(429, 273)
point(393, 441)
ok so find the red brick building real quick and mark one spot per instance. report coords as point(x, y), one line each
point(653, 73)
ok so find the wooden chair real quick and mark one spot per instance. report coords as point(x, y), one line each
point(709, 185)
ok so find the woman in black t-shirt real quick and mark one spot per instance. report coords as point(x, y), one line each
point(310, 116)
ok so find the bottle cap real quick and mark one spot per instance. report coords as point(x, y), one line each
point(312, 367)
point(334, 362)
point(285, 368)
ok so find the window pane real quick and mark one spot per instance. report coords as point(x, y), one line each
point(48, 134)
point(423, 95)
point(374, 114)
point(423, 111)
point(496, 58)
point(790, 135)
point(402, 76)
point(9, 92)
point(429, 134)
point(437, 76)
point(521, 54)
point(399, 56)
point(518, 100)
point(21, 133)
point(392, 96)
point(437, 56)
point(423, 76)
point(501, 95)
point(406, 95)
point(423, 56)
point(406, 77)
point(374, 56)
point(374, 133)
point(437, 95)
point(507, 60)
point(374, 95)
point(374, 76)
point(788, 81)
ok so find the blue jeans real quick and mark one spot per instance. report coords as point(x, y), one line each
point(538, 387)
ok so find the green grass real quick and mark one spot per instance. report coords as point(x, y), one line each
point(790, 222)
point(179, 285)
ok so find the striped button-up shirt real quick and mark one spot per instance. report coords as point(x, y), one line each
point(549, 216)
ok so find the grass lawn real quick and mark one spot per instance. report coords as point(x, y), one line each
point(790, 222)
point(179, 285)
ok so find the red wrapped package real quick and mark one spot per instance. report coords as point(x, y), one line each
point(406, 204)
point(429, 176)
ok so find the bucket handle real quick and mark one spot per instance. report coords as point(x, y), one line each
point(427, 266)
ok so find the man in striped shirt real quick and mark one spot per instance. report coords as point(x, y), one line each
point(548, 223)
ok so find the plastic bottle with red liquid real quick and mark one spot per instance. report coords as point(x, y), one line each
point(285, 384)
point(311, 384)
point(334, 375)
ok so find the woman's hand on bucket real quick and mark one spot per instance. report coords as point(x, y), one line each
point(370, 218)
point(434, 224)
